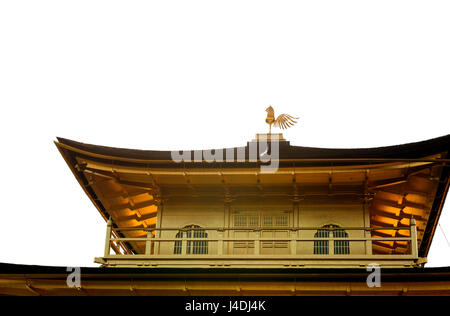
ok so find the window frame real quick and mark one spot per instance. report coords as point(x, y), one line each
point(194, 247)
point(322, 247)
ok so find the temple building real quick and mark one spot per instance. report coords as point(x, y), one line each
point(319, 208)
point(265, 218)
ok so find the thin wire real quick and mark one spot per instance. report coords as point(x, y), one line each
point(442, 230)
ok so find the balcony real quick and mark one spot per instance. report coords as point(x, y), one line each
point(296, 247)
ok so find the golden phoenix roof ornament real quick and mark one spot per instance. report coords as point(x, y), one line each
point(283, 120)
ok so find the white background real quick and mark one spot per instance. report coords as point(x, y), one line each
point(198, 75)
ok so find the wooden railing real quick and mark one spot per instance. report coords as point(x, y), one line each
point(225, 237)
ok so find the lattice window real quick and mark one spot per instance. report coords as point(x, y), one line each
point(199, 247)
point(341, 247)
point(261, 221)
point(253, 221)
point(246, 220)
point(267, 221)
point(275, 221)
point(321, 246)
point(281, 221)
point(195, 247)
point(240, 221)
point(178, 247)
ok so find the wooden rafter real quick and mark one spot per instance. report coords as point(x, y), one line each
point(397, 217)
point(395, 245)
point(402, 192)
point(126, 193)
point(132, 206)
point(137, 217)
point(387, 183)
point(404, 204)
point(384, 234)
point(377, 224)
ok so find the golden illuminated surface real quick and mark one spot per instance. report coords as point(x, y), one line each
point(135, 282)
point(130, 189)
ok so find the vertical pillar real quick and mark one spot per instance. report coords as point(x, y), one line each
point(220, 242)
point(294, 242)
point(227, 223)
point(257, 242)
point(148, 244)
point(184, 244)
point(366, 214)
point(295, 224)
point(414, 249)
point(330, 242)
point(367, 233)
point(158, 225)
point(295, 219)
point(108, 237)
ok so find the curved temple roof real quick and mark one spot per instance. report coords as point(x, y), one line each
point(399, 182)
point(411, 150)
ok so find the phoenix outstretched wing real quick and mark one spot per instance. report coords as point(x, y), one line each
point(284, 121)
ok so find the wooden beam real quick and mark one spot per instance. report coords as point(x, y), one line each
point(404, 204)
point(382, 234)
point(132, 206)
point(126, 193)
point(387, 225)
point(402, 192)
point(428, 177)
point(387, 215)
point(114, 177)
point(387, 183)
point(137, 217)
point(399, 217)
point(393, 247)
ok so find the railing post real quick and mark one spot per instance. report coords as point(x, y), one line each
point(413, 233)
point(331, 242)
point(257, 243)
point(108, 237)
point(294, 242)
point(184, 244)
point(367, 233)
point(148, 244)
point(220, 243)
